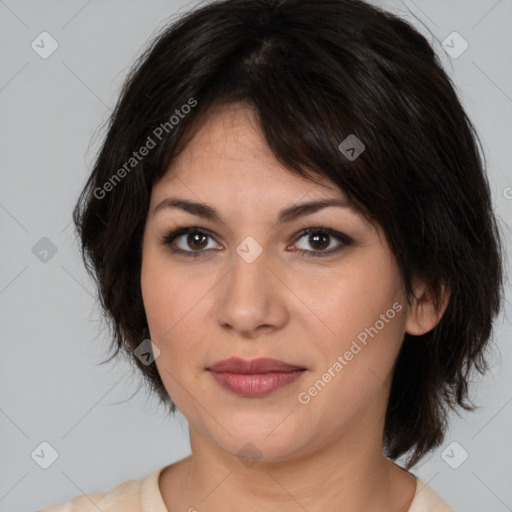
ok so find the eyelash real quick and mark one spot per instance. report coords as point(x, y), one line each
point(341, 237)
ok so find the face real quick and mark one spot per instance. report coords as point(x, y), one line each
point(250, 284)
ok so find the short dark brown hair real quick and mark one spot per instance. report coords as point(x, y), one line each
point(315, 73)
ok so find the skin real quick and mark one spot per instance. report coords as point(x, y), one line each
point(326, 455)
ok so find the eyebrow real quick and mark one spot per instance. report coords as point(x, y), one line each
point(289, 214)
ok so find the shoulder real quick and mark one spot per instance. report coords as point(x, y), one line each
point(427, 500)
point(125, 497)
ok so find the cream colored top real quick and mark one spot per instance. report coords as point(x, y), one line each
point(143, 495)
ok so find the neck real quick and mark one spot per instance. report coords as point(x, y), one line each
point(345, 476)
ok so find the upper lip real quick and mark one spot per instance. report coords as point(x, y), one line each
point(261, 365)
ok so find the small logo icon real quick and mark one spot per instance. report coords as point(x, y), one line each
point(455, 45)
point(44, 45)
point(249, 249)
point(249, 455)
point(44, 455)
point(147, 352)
point(454, 455)
point(44, 250)
point(351, 147)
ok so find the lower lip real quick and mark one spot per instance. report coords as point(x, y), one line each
point(256, 384)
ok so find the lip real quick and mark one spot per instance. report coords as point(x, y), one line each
point(256, 377)
point(252, 366)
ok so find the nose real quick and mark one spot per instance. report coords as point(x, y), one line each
point(252, 298)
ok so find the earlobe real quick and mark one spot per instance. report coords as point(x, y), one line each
point(423, 315)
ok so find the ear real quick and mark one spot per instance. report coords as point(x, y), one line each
point(422, 315)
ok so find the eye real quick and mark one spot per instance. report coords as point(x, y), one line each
point(321, 239)
point(197, 239)
point(193, 241)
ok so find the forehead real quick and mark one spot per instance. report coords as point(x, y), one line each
point(228, 153)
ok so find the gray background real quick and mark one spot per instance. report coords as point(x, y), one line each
point(51, 386)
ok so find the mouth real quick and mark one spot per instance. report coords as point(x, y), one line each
point(254, 378)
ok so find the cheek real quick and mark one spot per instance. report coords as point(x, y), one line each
point(167, 294)
point(355, 364)
point(344, 302)
point(172, 320)
point(164, 300)
point(170, 314)
point(362, 313)
point(176, 306)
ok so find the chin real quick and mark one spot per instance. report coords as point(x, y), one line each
point(265, 444)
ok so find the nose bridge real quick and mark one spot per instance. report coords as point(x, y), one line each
point(249, 297)
point(249, 272)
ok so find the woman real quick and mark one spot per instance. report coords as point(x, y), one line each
point(292, 234)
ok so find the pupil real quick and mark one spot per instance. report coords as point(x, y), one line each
point(314, 240)
point(197, 237)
